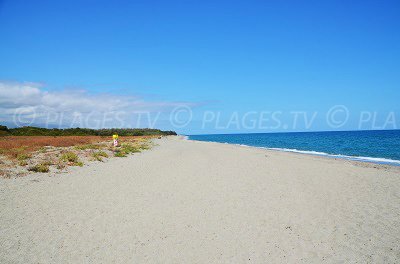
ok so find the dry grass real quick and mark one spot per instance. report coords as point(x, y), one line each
point(13, 146)
point(20, 154)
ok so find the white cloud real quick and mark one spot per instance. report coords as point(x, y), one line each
point(31, 104)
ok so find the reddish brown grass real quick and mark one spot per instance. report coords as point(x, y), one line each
point(12, 146)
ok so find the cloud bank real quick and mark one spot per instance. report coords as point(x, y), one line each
point(31, 104)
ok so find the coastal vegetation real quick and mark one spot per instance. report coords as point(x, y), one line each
point(99, 155)
point(31, 149)
point(71, 159)
point(38, 131)
point(42, 167)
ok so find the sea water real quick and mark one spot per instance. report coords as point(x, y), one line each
point(379, 146)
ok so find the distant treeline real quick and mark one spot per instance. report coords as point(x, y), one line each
point(38, 131)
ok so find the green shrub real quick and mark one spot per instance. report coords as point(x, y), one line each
point(23, 163)
point(69, 157)
point(23, 156)
point(48, 162)
point(40, 168)
point(87, 146)
point(37, 131)
point(120, 154)
point(129, 149)
point(42, 150)
point(144, 146)
point(99, 155)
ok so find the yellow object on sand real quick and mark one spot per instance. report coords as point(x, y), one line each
point(115, 136)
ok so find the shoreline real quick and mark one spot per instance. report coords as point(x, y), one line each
point(195, 202)
point(359, 163)
point(370, 160)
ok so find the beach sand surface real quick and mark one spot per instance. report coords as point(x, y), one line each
point(197, 202)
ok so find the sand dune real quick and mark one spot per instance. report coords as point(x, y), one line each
point(197, 202)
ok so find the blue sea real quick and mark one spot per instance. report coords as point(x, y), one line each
point(379, 146)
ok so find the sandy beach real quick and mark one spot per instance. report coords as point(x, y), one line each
point(196, 202)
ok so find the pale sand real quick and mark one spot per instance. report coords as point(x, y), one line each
point(197, 202)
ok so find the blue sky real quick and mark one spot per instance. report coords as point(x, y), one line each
point(220, 56)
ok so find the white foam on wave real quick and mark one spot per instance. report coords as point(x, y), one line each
point(355, 158)
point(317, 153)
